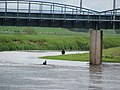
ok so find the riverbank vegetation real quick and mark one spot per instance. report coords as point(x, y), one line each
point(35, 38)
point(109, 55)
point(46, 38)
point(42, 38)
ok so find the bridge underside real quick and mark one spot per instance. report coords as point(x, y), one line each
point(57, 20)
point(48, 14)
point(58, 23)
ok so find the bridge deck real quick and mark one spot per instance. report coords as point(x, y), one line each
point(48, 16)
point(40, 13)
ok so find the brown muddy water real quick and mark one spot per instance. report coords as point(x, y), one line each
point(21, 70)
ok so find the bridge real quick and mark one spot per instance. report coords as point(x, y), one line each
point(49, 14)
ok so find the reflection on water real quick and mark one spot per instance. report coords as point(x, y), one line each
point(104, 77)
point(95, 77)
point(24, 71)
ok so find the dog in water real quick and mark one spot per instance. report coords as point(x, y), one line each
point(45, 62)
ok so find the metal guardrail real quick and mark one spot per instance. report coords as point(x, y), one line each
point(41, 8)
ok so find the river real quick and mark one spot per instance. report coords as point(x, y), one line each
point(23, 70)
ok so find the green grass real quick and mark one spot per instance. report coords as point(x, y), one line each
point(50, 42)
point(44, 38)
point(43, 42)
point(109, 55)
point(109, 32)
point(70, 57)
point(38, 30)
point(41, 38)
point(112, 54)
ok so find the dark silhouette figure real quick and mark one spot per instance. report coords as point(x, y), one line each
point(63, 52)
point(45, 62)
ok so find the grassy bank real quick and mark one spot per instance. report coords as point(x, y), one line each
point(37, 31)
point(35, 38)
point(42, 42)
point(109, 55)
point(50, 42)
point(40, 38)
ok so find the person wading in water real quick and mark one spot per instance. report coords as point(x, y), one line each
point(63, 52)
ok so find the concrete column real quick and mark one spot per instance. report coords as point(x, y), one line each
point(96, 47)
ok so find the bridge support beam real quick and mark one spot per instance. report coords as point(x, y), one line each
point(96, 47)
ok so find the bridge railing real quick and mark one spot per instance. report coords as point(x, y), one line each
point(48, 10)
point(111, 14)
point(31, 5)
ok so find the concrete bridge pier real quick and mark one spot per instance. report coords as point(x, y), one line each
point(96, 47)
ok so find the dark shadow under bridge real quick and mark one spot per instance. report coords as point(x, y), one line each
point(48, 14)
